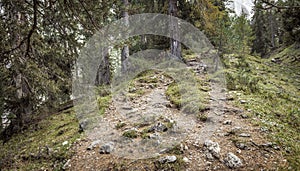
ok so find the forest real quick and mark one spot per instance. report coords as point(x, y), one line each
point(150, 85)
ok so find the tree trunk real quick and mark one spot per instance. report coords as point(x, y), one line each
point(175, 46)
point(125, 50)
point(271, 19)
point(103, 73)
point(24, 105)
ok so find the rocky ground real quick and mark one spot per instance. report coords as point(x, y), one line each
point(147, 132)
point(252, 124)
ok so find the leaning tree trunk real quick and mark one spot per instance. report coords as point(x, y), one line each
point(125, 50)
point(175, 45)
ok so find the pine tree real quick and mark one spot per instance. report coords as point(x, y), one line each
point(39, 52)
point(259, 45)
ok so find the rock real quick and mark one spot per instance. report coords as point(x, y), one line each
point(170, 105)
point(159, 127)
point(213, 148)
point(132, 90)
point(243, 101)
point(244, 135)
point(169, 120)
point(227, 122)
point(65, 143)
point(185, 159)
point(235, 130)
point(183, 147)
point(244, 116)
point(209, 156)
point(232, 161)
point(154, 136)
point(208, 163)
point(152, 86)
point(229, 97)
point(268, 144)
point(241, 146)
point(158, 105)
point(276, 60)
point(107, 148)
point(82, 125)
point(163, 151)
point(264, 129)
point(93, 144)
point(127, 108)
point(167, 159)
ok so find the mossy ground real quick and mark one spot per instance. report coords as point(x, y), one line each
point(270, 89)
point(43, 146)
point(190, 101)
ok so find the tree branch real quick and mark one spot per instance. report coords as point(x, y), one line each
point(89, 16)
point(28, 37)
point(33, 27)
point(271, 5)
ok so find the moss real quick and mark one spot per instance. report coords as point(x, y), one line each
point(137, 93)
point(41, 146)
point(174, 94)
point(103, 103)
point(146, 73)
point(271, 90)
point(180, 97)
point(147, 79)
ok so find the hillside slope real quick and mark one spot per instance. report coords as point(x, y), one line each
point(260, 126)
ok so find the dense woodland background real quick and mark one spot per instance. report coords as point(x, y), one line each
point(41, 40)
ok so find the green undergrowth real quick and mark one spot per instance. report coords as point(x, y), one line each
point(44, 146)
point(175, 166)
point(103, 98)
point(270, 89)
point(103, 103)
point(189, 55)
point(178, 165)
point(138, 86)
point(178, 94)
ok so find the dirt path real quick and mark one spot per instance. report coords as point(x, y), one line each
point(147, 127)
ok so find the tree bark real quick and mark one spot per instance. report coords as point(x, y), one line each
point(175, 46)
point(271, 19)
point(125, 50)
point(103, 73)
